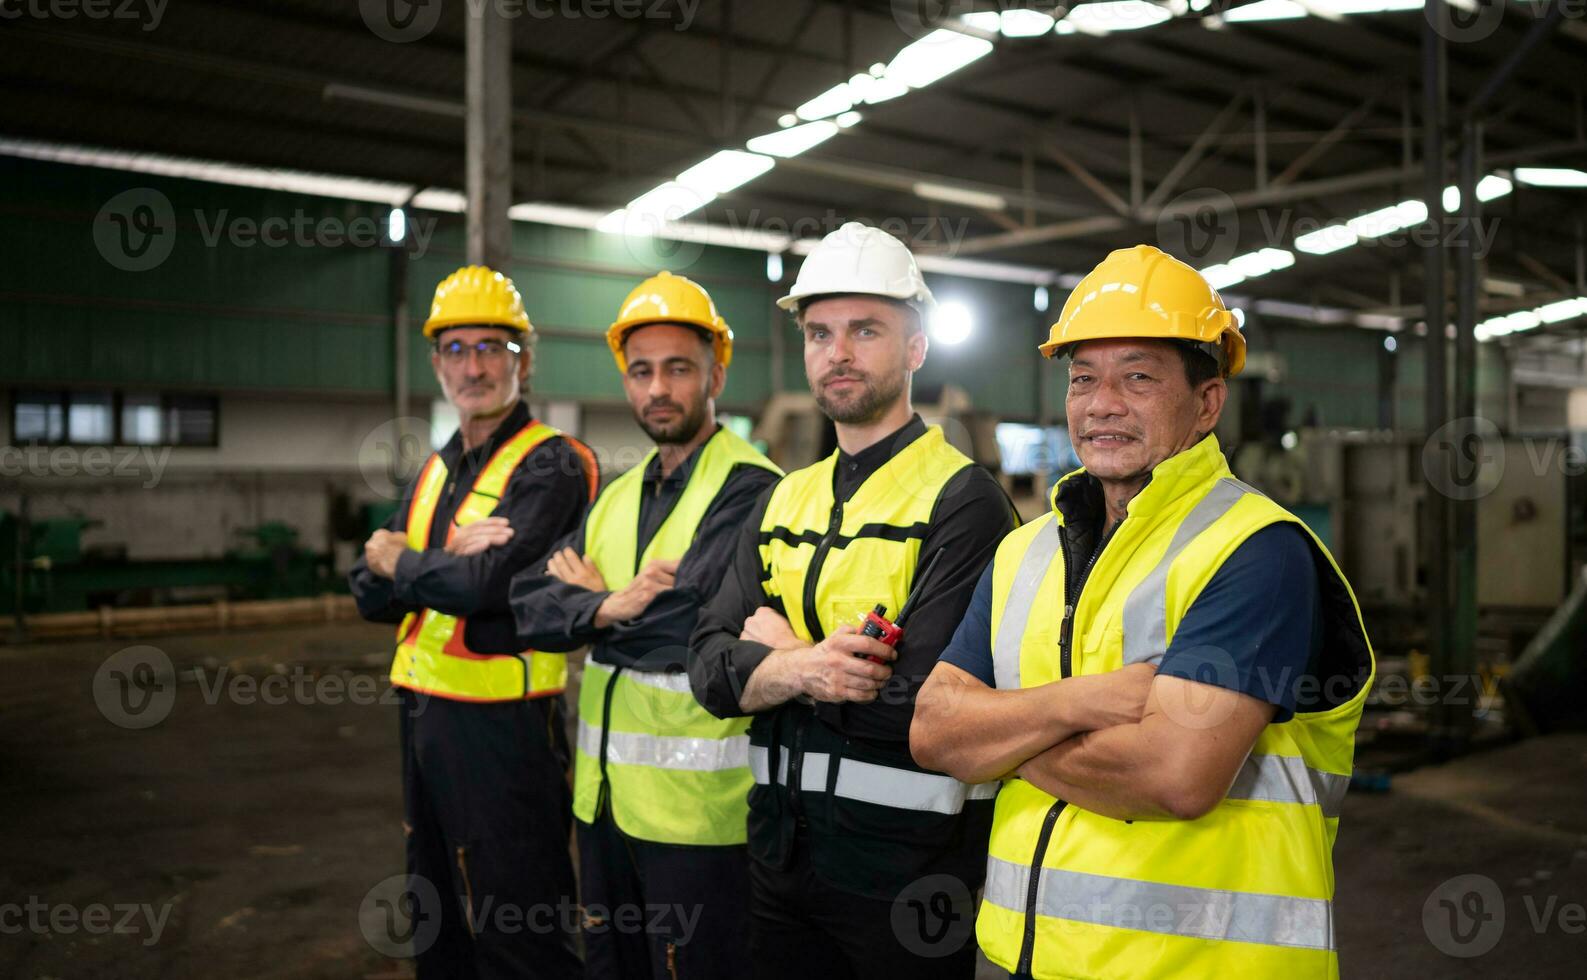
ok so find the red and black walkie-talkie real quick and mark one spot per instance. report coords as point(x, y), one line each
point(879, 627)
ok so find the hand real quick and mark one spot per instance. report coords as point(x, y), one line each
point(635, 597)
point(575, 569)
point(766, 625)
point(479, 536)
point(382, 550)
point(836, 669)
point(1115, 698)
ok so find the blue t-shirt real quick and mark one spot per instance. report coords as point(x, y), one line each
point(1254, 628)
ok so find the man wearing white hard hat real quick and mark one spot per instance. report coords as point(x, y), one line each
point(863, 863)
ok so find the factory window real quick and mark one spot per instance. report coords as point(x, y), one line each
point(190, 420)
point(38, 417)
point(91, 418)
point(102, 418)
point(140, 420)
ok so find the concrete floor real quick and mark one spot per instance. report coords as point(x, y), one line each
point(239, 838)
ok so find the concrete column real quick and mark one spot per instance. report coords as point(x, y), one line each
point(489, 144)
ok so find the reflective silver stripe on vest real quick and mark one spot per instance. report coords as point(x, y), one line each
point(870, 783)
point(666, 751)
point(1039, 555)
point(675, 681)
point(1146, 608)
point(812, 774)
point(1287, 779)
point(1174, 910)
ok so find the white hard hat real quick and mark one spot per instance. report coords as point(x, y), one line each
point(860, 259)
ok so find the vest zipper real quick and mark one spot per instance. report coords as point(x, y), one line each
point(813, 573)
point(796, 759)
point(1066, 633)
point(605, 794)
point(1027, 948)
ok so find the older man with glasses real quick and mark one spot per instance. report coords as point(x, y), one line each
point(484, 755)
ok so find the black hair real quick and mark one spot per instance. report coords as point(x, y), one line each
point(1199, 365)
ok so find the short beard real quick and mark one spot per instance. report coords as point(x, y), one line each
point(675, 433)
point(868, 406)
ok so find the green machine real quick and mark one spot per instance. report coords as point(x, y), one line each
point(49, 570)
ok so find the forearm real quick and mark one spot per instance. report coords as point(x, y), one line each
point(440, 581)
point(552, 615)
point(375, 597)
point(774, 682)
point(977, 733)
point(1121, 772)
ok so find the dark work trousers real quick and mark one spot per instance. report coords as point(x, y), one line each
point(662, 911)
point(803, 927)
point(488, 813)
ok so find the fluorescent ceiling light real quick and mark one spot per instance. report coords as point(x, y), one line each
point(1221, 276)
point(1108, 16)
point(657, 207)
point(1260, 262)
point(724, 171)
point(868, 89)
point(989, 21)
point(1020, 22)
point(436, 199)
point(829, 103)
point(1395, 217)
point(1563, 310)
point(1499, 326)
point(1341, 7)
point(959, 195)
point(1325, 241)
point(940, 53)
point(1551, 176)
point(848, 119)
point(795, 140)
point(236, 175)
point(1488, 188)
point(952, 323)
point(1493, 186)
point(1265, 10)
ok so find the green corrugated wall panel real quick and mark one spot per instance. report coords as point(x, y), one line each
point(301, 317)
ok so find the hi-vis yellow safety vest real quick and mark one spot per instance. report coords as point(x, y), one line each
point(671, 771)
point(431, 654)
point(1245, 891)
point(829, 562)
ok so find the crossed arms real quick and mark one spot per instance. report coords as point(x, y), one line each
point(1126, 744)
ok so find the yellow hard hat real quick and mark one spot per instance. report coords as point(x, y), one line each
point(1145, 292)
point(476, 295)
point(666, 298)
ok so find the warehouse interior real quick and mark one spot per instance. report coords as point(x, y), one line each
point(226, 220)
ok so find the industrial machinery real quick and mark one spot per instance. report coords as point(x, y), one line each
point(48, 569)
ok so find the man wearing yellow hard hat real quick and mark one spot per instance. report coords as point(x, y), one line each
point(659, 784)
point(484, 758)
point(1166, 671)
